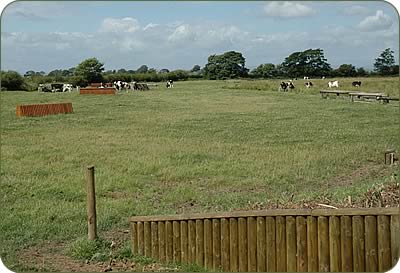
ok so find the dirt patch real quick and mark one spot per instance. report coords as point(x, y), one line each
point(117, 194)
point(367, 170)
point(51, 256)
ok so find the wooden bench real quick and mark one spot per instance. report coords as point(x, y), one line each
point(36, 110)
point(363, 95)
point(387, 99)
point(97, 91)
point(325, 93)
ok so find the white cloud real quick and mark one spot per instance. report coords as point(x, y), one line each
point(379, 21)
point(151, 25)
point(35, 10)
point(356, 10)
point(127, 24)
point(181, 33)
point(181, 46)
point(288, 9)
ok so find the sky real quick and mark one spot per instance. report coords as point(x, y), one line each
point(49, 35)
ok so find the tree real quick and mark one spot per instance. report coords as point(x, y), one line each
point(310, 62)
point(195, 68)
point(265, 71)
point(11, 80)
point(361, 71)
point(346, 70)
point(90, 70)
point(142, 69)
point(395, 70)
point(385, 62)
point(229, 65)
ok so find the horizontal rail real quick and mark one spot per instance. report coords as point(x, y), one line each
point(272, 212)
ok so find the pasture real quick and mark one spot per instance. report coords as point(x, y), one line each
point(202, 146)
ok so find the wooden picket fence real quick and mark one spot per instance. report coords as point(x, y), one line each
point(97, 91)
point(291, 240)
point(34, 110)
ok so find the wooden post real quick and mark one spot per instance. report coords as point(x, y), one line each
point(91, 203)
point(312, 244)
point(323, 244)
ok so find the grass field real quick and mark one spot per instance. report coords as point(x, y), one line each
point(202, 146)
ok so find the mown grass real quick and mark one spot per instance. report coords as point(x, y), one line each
point(202, 146)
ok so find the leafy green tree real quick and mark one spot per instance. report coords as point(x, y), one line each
point(346, 70)
point(142, 69)
point(395, 70)
point(11, 80)
point(195, 68)
point(152, 70)
point(265, 71)
point(164, 70)
point(90, 69)
point(310, 62)
point(385, 62)
point(229, 65)
point(361, 71)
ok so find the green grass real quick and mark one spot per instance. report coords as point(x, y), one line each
point(202, 146)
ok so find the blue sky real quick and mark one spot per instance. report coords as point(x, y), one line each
point(48, 35)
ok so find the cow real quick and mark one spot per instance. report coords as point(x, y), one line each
point(67, 87)
point(285, 85)
point(308, 84)
point(356, 83)
point(44, 87)
point(333, 84)
point(119, 85)
point(170, 84)
point(138, 86)
point(306, 78)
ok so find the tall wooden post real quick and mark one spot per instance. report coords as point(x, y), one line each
point(91, 203)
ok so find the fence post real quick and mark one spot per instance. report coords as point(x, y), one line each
point(91, 203)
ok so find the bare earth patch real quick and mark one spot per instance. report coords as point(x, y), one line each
point(50, 256)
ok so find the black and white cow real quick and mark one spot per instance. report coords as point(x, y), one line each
point(170, 84)
point(308, 84)
point(356, 83)
point(285, 85)
point(120, 85)
point(67, 87)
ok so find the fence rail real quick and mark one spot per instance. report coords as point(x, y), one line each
point(274, 240)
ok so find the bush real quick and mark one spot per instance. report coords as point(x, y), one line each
point(11, 80)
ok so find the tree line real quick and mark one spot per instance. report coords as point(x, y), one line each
point(229, 65)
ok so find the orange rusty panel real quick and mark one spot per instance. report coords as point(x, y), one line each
point(97, 91)
point(34, 110)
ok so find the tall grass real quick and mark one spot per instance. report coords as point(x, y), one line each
point(202, 146)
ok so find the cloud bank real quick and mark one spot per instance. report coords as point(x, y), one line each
point(288, 9)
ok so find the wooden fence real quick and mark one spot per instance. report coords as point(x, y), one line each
point(34, 110)
point(97, 91)
point(289, 240)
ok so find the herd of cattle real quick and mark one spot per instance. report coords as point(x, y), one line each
point(286, 86)
point(118, 85)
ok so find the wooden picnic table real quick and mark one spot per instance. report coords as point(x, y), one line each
point(364, 95)
point(359, 95)
point(325, 93)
